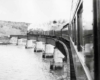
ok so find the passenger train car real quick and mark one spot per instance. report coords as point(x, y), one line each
point(81, 38)
point(79, 30)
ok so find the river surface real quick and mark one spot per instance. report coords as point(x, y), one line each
point(18, 63)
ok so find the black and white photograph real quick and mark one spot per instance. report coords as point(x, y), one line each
point(49, 40)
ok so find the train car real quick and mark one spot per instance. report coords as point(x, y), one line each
point(62, 31)
point(81, 38)
point(52, 33)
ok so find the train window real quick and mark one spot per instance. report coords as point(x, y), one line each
point(79, 28)
point(75, 31)
point(71, 28)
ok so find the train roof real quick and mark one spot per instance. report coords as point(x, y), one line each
point(48, 28)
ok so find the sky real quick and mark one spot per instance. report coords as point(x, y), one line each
point(34, 11)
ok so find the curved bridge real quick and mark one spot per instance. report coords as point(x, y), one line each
point(18, 36)
point(53, 40)
point(63, 44)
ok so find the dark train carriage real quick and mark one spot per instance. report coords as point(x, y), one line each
point(81, 39)
point(63, 32)
point(51, 33)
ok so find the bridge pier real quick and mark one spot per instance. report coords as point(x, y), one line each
point(38, 46)
point(57, 62)
point(29, 44)
point(49, 50)
point(17, 40)
point(26, 44)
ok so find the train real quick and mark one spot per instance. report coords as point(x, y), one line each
point(80, 32)
point(81, 38)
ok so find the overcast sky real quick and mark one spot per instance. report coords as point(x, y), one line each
point(34, 11)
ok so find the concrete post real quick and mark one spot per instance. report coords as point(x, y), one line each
point(26, 44)
point(17, 40)
point(57, 62)
point(52, 67)
point(43, 56)
point(49, 49)
point(29, 44)
point(38, 46)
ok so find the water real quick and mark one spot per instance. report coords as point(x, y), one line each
point(18, 63)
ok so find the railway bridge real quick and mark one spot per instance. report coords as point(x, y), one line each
point(78, 40)
point(61, 43)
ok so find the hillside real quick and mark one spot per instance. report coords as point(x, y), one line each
point(7, 28)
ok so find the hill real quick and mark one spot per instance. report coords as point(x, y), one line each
point(8, 27)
